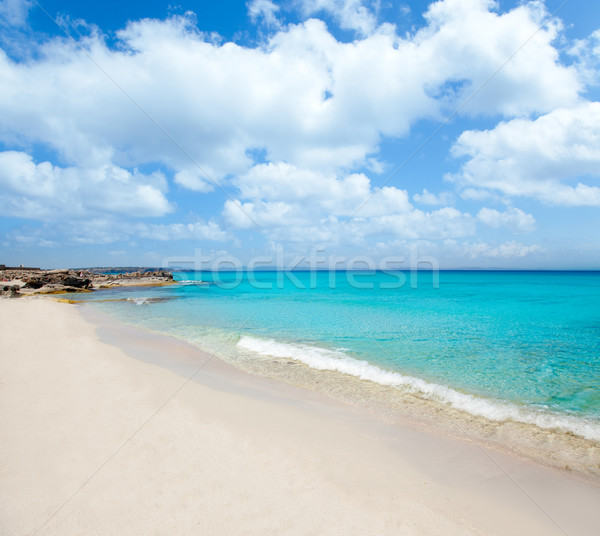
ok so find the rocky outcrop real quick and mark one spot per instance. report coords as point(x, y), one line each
point(10, 291)
point(132, 278)
point(22, 281)
point(56, 278)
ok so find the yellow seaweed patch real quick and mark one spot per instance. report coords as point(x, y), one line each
point(62, 291)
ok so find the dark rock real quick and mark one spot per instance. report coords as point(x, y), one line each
point(11, 291)
point(77, 282)
point(34, 283)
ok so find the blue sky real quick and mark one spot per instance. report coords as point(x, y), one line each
point(465, 131)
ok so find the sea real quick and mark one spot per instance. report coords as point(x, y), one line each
point(503, 345)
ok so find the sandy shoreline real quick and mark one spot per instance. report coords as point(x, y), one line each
point(551, 446)
point(97, 438)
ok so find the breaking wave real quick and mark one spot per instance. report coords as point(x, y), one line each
point(336, 360)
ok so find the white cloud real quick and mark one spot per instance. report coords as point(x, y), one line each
point(349, 14)
point(428, 198)
point(536, 158)
point(303, 97)
point(182, 231)
point(443, 223)
point(513, 218)
point(405, 9)
point(478, 194)
point(587, 54)
point(194, 179)
point(259, 213)
point(264, 9)
point(467, 43)
point(43, 191)
point(100, 230)
point(314, 108)
point(298, 205)
point(282, 194)
point(508, 250)
point(14, 12)
point(109, 229)
point(281, 182)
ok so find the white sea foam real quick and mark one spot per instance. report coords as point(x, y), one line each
point(335, 360)
point(139, 301)
point(145, 300)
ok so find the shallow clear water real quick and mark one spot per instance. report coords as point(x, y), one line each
point(478, 340)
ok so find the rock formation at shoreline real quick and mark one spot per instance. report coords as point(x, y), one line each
point(19, 282)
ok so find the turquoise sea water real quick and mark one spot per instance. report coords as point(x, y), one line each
point(505, 345)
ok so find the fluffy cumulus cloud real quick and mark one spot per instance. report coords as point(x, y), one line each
point(587, 54)
point(303, 97)
point(350, 14)
point(195, 178)
point(14, 12)
point(280, 195)
point(291, 203)
point(289, 126)
point(88, 205)
point(551, 158)
point(469, 46)
point(513, 218)
point(47, 192)
point(429, 198)
point(183, 231)
point(265, 10)
point(325, 192)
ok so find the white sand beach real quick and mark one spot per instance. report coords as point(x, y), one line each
point(96, 437)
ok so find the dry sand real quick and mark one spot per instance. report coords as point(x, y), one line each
point(97, 438)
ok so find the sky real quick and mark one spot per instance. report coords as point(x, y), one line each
point(459, 133)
